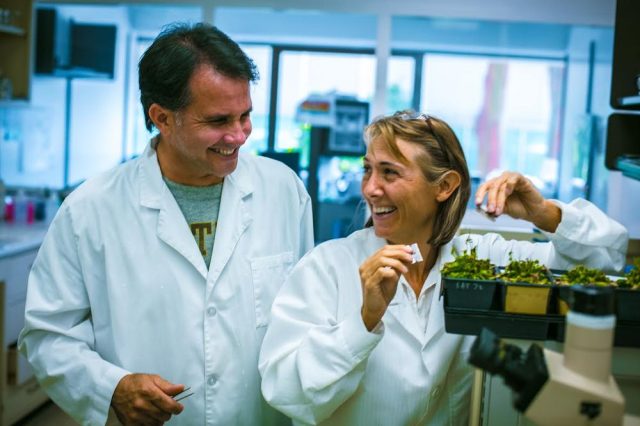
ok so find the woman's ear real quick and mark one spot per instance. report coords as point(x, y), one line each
point(449, 183)
point(162, 118)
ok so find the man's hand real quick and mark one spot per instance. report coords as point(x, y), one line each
point(515, 195)
point(145, 399)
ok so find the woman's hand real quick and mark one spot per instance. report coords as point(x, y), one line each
point(515, 195)
point(379, 275)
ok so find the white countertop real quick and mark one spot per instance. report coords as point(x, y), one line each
point(17, 238)
point(475, 220)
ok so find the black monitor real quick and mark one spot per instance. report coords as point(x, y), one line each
point(68, 48)
point(291, 159)
point(625, 78)
point(93, 48)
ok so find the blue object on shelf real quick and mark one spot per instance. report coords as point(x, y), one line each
point(629, 165)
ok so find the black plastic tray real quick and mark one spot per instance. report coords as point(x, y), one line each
point(528, 327)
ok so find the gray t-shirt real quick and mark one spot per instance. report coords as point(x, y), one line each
point(200, 206)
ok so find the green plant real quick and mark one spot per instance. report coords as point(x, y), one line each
point(632, 278)
point(525, 271)
point(467, 265)
point(584, 275)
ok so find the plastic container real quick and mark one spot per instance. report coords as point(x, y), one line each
point(561, 293)
point(523, 298)
point(9, 209)
point(627, 304)
point(529, 298)
point(21, 201)
point(51, 206)
point(470, 322)
point(471, 294)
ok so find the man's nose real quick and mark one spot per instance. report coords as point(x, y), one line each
point(238, 132)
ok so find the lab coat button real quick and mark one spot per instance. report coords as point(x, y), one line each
point(212, 380)
point(211, 311)
point(435, 392)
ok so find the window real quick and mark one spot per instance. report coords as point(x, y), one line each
point(261, 56)
point(400, 77)
point(505, 111)
point(303, 73)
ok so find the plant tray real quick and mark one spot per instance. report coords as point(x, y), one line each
point(471, 294)
point(628, 304)
point(523, 298)
point(528, 327)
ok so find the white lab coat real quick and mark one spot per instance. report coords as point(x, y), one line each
point(320, 365)
point(120, 286)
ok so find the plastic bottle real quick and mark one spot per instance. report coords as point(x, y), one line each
point(20, 202)
point(3, 193)
point(9, 209)
point(31, 212)
point(52, 204)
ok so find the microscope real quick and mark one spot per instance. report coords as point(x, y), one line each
point(574, 388)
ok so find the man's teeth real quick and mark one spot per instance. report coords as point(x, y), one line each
point(382, 210)
point(223, 151)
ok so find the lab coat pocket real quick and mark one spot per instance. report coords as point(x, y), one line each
point(268, 274)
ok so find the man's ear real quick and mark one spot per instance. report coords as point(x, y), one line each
point(162, 118)
point(449, 183)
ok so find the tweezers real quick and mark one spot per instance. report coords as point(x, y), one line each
point(179, 397)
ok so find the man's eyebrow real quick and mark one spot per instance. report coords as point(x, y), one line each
point(218, 117)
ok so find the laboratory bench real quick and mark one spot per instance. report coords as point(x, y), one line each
point(19, 392)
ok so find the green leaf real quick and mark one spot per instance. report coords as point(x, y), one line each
point(584, 275)
point(468, 266)
point(525, 271)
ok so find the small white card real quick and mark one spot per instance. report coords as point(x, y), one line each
point(417, 256)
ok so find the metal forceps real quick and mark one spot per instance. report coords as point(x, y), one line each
point(182, 395)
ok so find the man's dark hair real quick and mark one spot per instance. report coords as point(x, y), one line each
point(166, 67)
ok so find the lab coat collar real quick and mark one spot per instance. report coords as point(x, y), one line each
point(233, 219)
point(437, 340)
point(435, 324)
point(152, 186)
point(172, 226)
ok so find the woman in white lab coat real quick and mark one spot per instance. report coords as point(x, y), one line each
point(357, 332)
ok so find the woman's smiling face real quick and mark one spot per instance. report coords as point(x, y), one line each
point(403, 204)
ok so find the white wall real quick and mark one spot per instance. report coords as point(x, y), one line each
point(97, 104)
point(578, 12)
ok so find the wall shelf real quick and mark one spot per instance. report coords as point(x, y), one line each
point(12, 29)
point(631, 102)
point(623, 143)
point(16, 42)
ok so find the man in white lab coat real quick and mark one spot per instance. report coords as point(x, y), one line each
point(159, 275)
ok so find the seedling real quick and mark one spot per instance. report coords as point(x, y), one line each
point(525, 271)
point(631, 279)
point(467, 265)
point(584, 275)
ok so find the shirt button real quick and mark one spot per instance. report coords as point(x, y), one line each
point(212, 380)
point(211, 311)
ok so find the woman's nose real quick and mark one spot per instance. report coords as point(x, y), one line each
point(371, 186)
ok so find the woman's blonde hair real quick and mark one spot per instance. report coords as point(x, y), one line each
point(441, 153)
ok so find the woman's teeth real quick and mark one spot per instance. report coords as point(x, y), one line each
point(383, 210)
